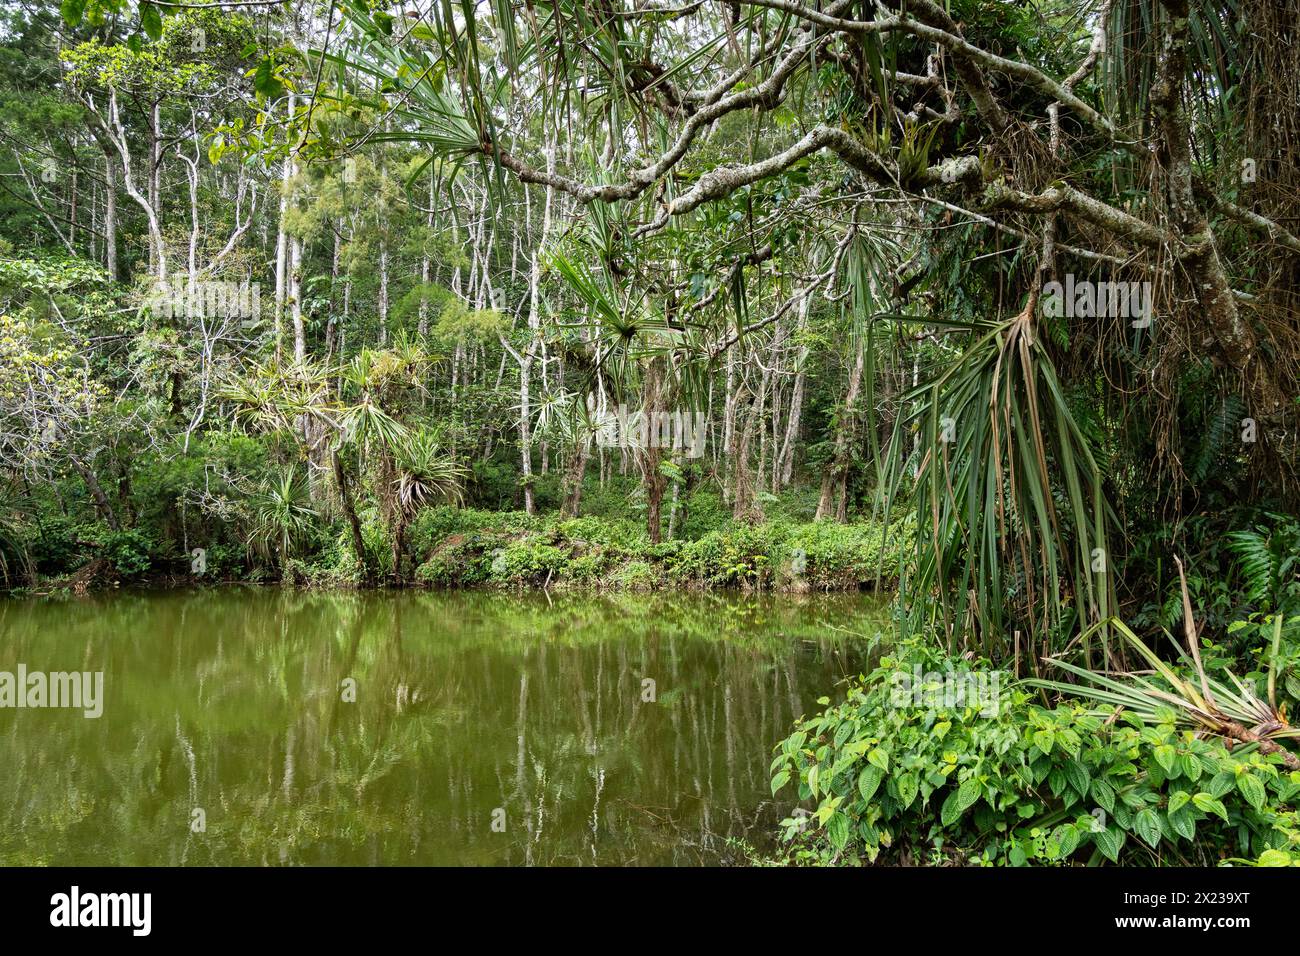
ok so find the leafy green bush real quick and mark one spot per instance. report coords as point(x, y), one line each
point(895, 773)
point(527, 562)
point(612, 500)
point(816, 555)
point(1253, 640)
point(435, 524)
point(128, 551)
point(461, 560)
point(54, 549)
point(638, 576)
point(705, 512)
point(224, 562)
point(739, 555)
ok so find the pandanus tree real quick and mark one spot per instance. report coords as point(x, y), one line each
point(351, 415)
point(637, 347)
point(281, 515)
point(1084, 139)
point(369, 430)
point(408, 466)
point(424, 476)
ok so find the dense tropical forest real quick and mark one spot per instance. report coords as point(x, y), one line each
point(988, 307)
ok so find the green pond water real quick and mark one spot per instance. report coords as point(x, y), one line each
point(486, 728)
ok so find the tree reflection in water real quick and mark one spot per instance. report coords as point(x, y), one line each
point(232, 702)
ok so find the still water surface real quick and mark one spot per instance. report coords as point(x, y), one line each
point(471, 709)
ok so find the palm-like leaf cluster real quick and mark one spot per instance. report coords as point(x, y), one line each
point(1007, 494)
point(426, 473)
point(282, 513)
point(1209, 704)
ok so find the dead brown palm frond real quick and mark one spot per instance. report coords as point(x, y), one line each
point(1213, 707)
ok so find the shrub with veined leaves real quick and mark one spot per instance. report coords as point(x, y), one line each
point(892, 781)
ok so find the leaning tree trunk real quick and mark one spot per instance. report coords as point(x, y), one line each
point(399, 546)
point(354, 523)
point(96, 493)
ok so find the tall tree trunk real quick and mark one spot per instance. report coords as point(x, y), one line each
point(525, 431)
point(155, 169)
point(729, 427)
point(332, 326)
point(796, 405)
point(835, 479)
point(534, 329)
point(72, 214)
point(354, 523)
point(745, 504)
point(287, 173)
point(424, 263)
point(110, 217)
point(295, 300)
point(115, 131)
point(652, 454)
point(383, 290)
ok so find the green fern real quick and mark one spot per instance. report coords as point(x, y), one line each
point(1258, 562)
point(1220, 429)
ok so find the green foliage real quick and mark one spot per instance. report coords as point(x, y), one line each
point(469, 547)
point(281, 514)
point(15, 555)
point(1269, 560)
point(812, 556)
point(427, 473)
point(638, 576)
point(527, 562)
point(895, 774)
point(129, 552)
point(1187, 693)
point(995, 466)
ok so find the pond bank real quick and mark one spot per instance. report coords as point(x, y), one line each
point(601, 554)
point(448, 548)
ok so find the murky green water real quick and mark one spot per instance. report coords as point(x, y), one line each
point(486, 728)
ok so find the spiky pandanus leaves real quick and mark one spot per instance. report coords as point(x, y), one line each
point(1189, 695)
point(282, 514)
point(407, 74)
point(1012, 522)
point(275, 396)
point(425, 475)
